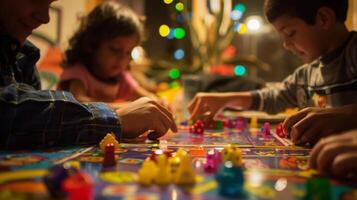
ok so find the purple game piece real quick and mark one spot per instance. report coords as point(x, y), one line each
point(266, 129)
point(211, 164)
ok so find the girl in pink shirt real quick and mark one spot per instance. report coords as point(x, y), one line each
point(99, 53)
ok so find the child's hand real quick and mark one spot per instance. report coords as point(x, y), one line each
point(145, 114)
point(311, 124)
point(205, 105)
point(336, 155)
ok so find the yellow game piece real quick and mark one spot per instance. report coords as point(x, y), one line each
point(237, 158)
point(185, 173)
point(174, 163)
point(73, 163)
point(180, 152)
point(147, 172)
point(109, 138)
point(226, 153)
point(254, 123)
point(163, 177)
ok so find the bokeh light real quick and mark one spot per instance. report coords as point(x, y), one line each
point(179, 33)
point(179, 7)
point(236, 15)
point(179, 54)
point(254, 23)
point(240, 70)
point(240, 7)
point(242, 29)
point(164, 30)
point(168, 1)
point(174, 73)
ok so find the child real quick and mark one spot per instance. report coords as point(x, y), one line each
point(336, 156)
point(31, 117)
point(99, 53)
point(315, 32)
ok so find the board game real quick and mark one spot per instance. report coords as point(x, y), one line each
point(273, 168)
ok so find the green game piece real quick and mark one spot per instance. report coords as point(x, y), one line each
point(318, 189)
point(219, 125)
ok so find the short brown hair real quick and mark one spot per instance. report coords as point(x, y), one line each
point(304, 9)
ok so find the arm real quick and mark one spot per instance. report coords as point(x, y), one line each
point(31, 118)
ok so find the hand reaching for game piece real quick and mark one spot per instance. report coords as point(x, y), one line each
point(206, 105)
point(336, 155)
point(145, 114)
point(311, 124)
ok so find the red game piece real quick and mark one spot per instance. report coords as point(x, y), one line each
point(109, 156)
point(280, 130)
point(79, 186)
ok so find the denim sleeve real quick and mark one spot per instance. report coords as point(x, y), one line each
point(33, 118)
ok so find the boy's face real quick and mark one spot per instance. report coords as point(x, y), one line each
point(19, 18)
point(113, 56)
point(302, 39)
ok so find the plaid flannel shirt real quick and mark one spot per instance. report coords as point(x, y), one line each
point(32, 118)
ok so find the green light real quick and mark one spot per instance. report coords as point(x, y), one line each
point(179, 7)
point(179, 33)
point(174, 73)
point(174, 84)
point(240, 70)
point(240, 7)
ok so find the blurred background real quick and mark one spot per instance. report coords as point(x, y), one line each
point(202, 45)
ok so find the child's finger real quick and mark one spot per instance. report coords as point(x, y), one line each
point(328, 153)
point(192, 104)
point(197, 110)
point(297, 130)
point(310, 135)
point(293, 119)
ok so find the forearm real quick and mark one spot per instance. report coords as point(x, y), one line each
point(241, 100)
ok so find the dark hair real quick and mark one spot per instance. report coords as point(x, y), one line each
point(304, 9)
point(106, 21)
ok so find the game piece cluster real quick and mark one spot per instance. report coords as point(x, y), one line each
point(199, 126)
point(163, 169)
point(230, 173)
point(62, 179)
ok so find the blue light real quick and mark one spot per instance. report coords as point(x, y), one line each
point(240, 70)
point(179, 54)
point(236, 15)
point(171, 34)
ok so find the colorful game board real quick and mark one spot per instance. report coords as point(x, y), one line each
point(272, 169)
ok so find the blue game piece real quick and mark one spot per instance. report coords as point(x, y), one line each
point(56, 175)
point(230, 180)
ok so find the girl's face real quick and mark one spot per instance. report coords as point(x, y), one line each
point(19, 18)
point(113, 56)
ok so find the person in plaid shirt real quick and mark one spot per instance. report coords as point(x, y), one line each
point(35, 118)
